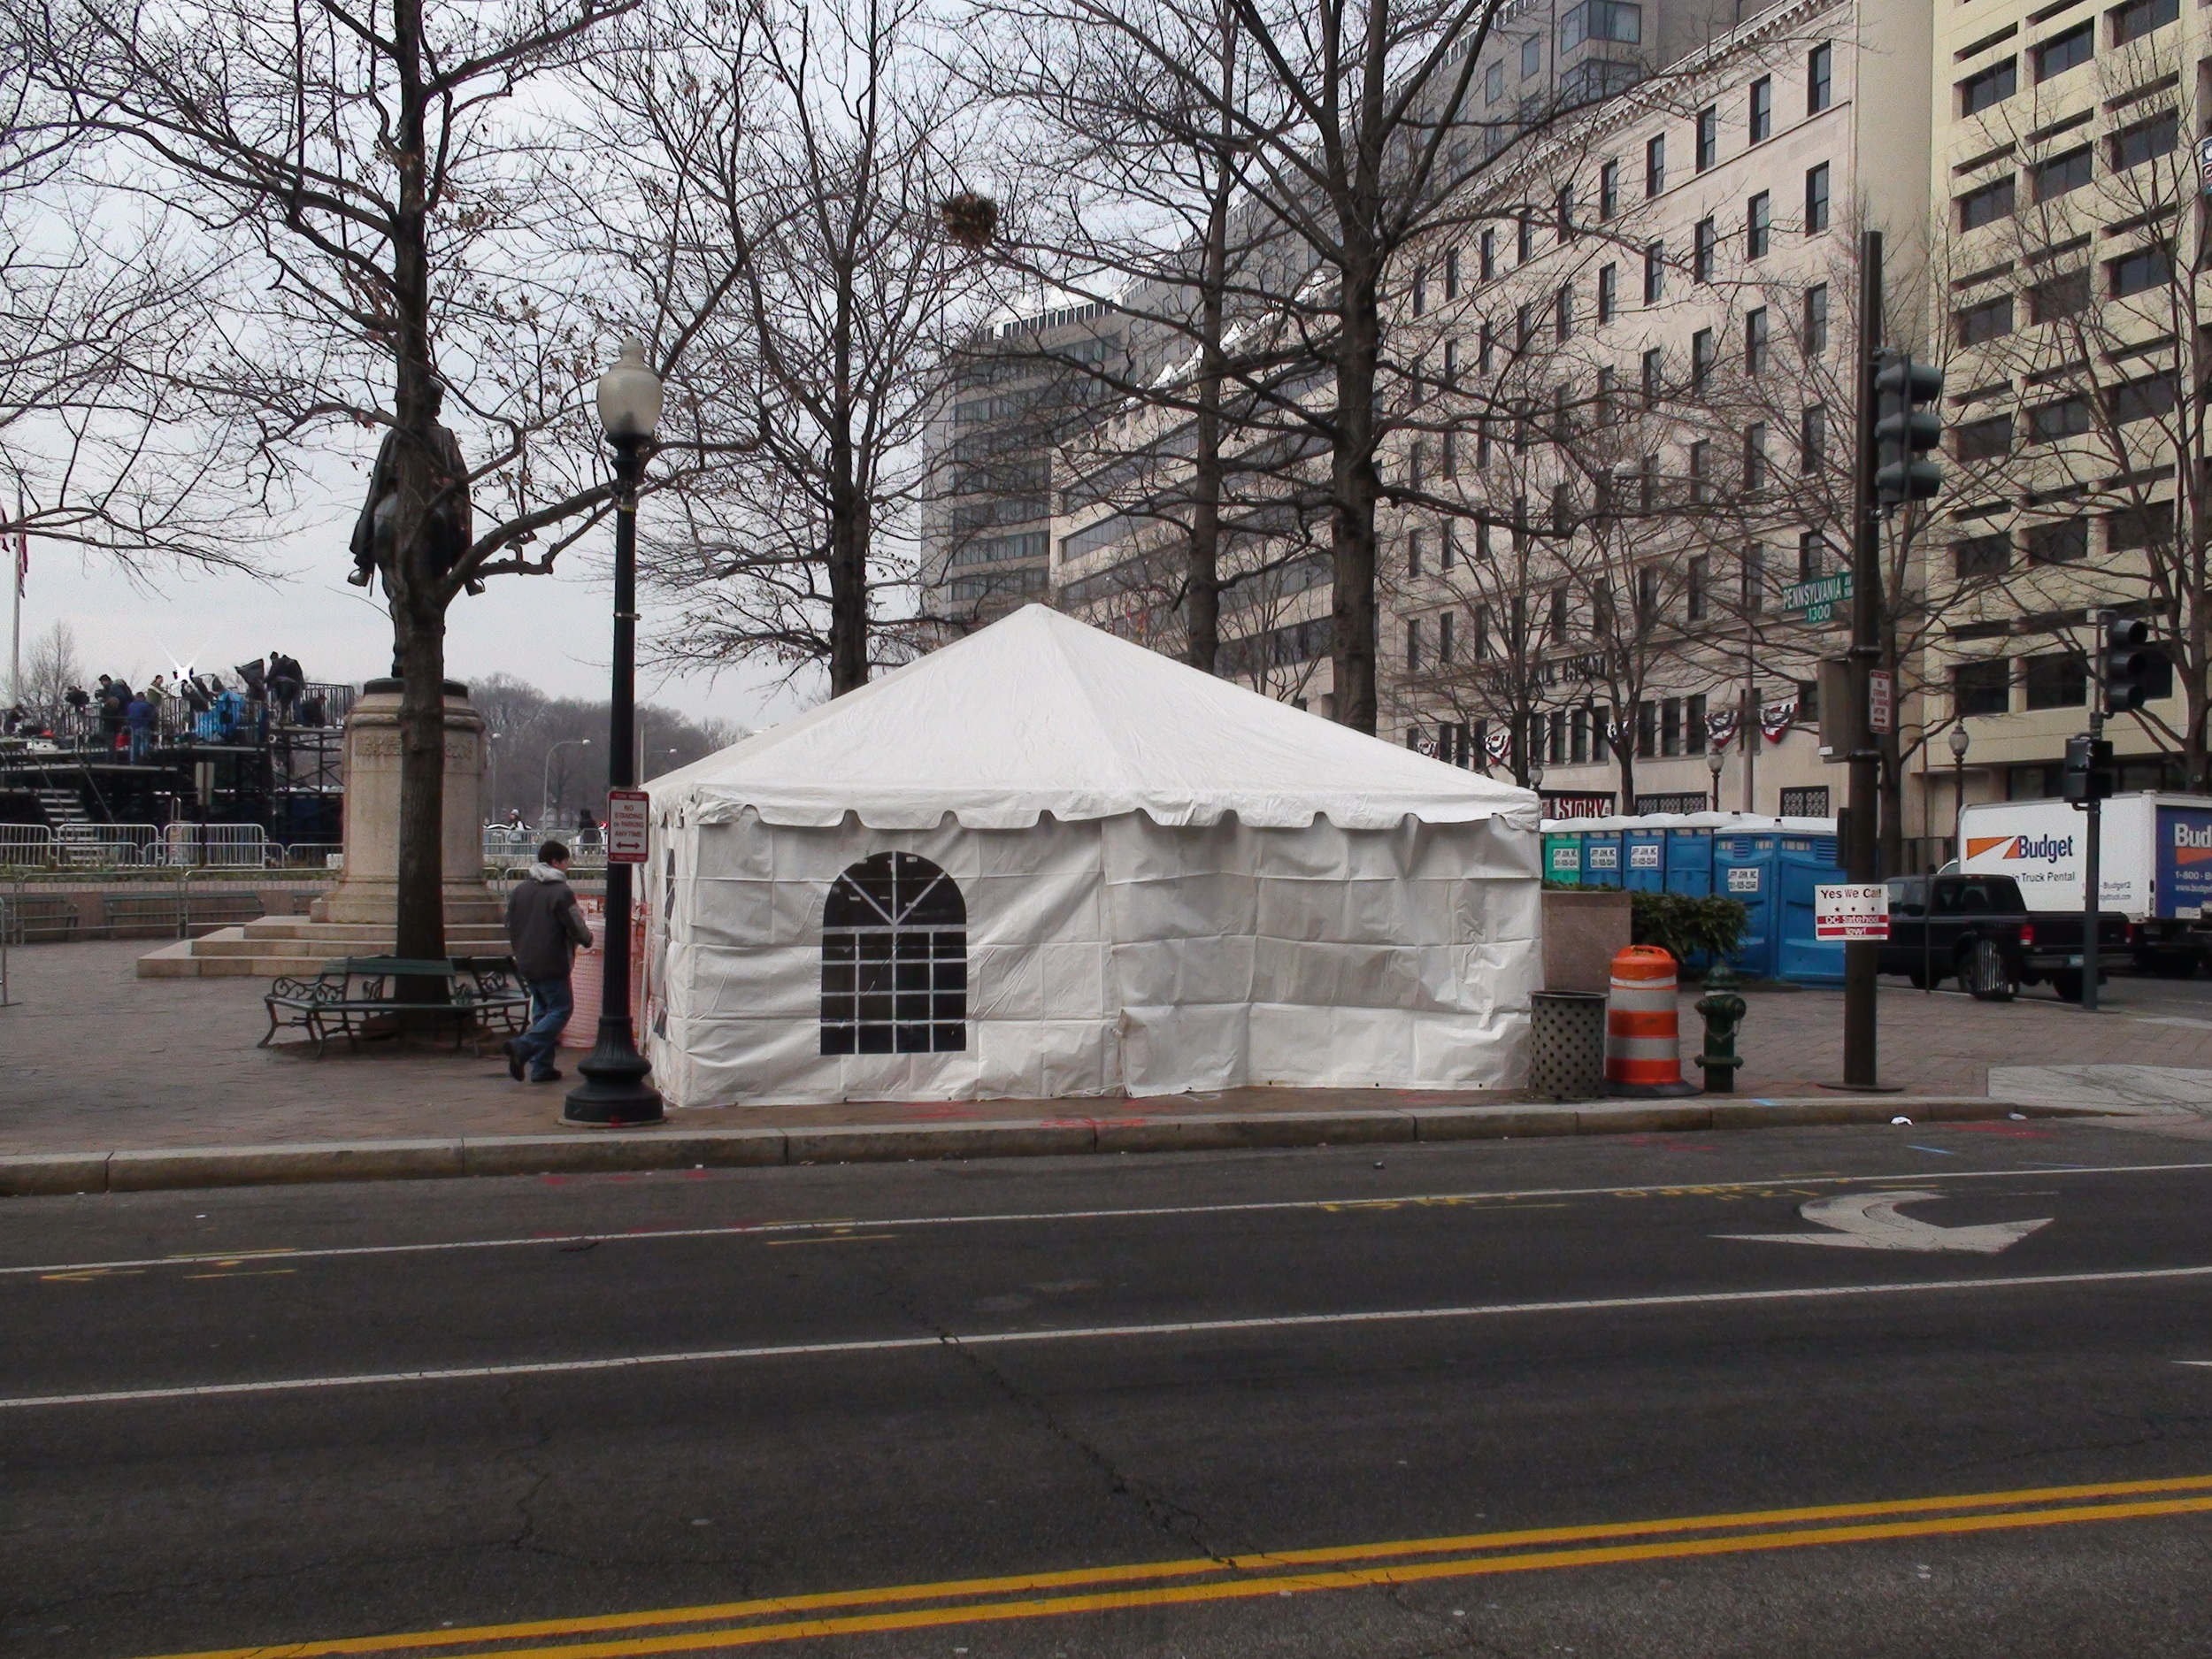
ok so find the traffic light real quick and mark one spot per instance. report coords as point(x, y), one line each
point(2128, 666)
point(1904, 430)
point(2089, 775)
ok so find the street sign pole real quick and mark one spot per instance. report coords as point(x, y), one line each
point(1861, 1043)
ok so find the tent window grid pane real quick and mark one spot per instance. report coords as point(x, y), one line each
point(894, 960)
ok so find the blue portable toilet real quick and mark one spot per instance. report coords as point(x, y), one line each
point(1743, 869)
point(1690, 853)
point(1644, 855)
point(1562, 857)
point(1602, 854)
point(1803, 862)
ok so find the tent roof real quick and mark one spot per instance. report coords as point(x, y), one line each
point(1041, 713)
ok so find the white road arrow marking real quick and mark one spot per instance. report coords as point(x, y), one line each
point(1870, 1221)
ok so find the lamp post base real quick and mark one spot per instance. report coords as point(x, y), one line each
point(614, 1093)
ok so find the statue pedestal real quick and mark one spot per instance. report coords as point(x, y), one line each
point(368, 890)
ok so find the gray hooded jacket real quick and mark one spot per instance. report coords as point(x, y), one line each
point(544, 925)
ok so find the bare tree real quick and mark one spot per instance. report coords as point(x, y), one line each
point(51, 667)
point(367, 176)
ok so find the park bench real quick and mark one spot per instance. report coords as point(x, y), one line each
point(360, 996)
point(37, 919)
point(203, 911)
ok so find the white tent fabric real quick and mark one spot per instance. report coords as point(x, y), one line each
point(1163, 883)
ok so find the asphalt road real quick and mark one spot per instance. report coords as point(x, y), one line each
point(1504, 1398)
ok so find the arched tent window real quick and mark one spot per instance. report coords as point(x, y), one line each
point(894, 960)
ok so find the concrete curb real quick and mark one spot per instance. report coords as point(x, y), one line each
point(24, 1175)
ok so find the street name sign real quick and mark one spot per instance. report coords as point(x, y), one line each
point(1856, 911)
point(626, 826)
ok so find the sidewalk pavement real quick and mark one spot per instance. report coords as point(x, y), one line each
point(112, 1081)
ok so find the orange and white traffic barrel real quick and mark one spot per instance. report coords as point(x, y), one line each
point(1643, 1038)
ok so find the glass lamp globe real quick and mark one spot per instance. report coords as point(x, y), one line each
point(630, 396)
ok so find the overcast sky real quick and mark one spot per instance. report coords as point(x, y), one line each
point(553, 631)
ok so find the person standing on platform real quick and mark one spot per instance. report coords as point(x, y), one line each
point(545, 927)
point(138, 714)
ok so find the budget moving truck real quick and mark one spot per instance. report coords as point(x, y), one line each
point(2155, 865)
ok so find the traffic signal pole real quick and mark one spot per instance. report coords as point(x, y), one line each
point(1860, 854)
point(2091, 851)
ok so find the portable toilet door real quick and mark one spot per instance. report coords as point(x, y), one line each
point(1563, 859)
point(1689, 862)
point(1744, 871)
point(1802, 863)
point(1602, 858)
point(1644, 855)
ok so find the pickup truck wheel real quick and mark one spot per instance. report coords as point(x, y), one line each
point(1985, 974)
point(2067, 983)
point(2173, 964)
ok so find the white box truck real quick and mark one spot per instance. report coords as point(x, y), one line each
point(2155, 865)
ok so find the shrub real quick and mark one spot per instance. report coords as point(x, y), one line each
point(1689, 928)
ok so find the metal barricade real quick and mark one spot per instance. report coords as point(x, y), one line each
point(106, 844)
point(31, 844)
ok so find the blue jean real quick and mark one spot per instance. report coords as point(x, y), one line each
point(551, 1002)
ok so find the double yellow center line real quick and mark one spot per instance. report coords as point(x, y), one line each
point(1282, 1573)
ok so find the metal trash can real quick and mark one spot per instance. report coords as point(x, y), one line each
point(1566, 1046)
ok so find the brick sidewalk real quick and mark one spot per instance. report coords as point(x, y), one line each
point(97, 1058)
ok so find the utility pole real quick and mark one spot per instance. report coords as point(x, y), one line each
point(1861, 851)
point(2122, 685)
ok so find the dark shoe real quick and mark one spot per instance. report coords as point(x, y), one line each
point(514, 1059)
point(545, 1077)
point(359, 578)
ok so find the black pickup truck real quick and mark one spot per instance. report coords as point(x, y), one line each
point(1978, 928)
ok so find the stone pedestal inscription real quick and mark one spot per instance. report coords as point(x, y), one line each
point(369, 889)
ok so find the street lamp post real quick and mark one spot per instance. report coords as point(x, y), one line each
point(1714, 760)
point(545, 775)
point(615, 1090)
point(1958, 789)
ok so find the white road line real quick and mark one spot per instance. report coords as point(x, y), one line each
point(1190, 1327)
point(1366, 1202)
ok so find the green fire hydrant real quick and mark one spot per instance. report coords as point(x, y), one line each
point(1723, 1009)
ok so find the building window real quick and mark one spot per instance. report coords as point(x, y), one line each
point(1990, 320)
point(1813, 440)
point(1761, 109)
point(1755, 458)
point(1493, 83)
point(1414, 550)
point(1812, 559)
point(1413, 645)
point(2132, 529)
point(1655, 165)
point(2139, 18)
point(1609, 189)
point(1980, 556)
point(1420, 292)
point(1708, 137)
point(2049, 180)
point(2057, 681)
point(1694, 599)
point(1819, 79)
point(1451, 273)
point(1758, 226)
point(1755, 340)
point(1670, 728)
point(1806, 803)
point(1986, 204)
point(2062, 52)
point(1524, 240)
point(1988, 87)
point(1983, 687)
point(894, 960)
point(1647, 731)
point(2061, 295)
point(1559, 611)
point(1448, 546)
point(1444, 638)
point(1608, 293)
point(1706, 237)
point(2146, 141)
point(1562, 313)
point(1754, 596)
point(1651, 372)
point(1654, 272)
point(2135, 272)
point(1563, 213)
point(1524, 328)
point(1701, 470)
point(1693, 725)
point(1532, 57)
point(2065, 542)
point(2140, 400)
point(2064, 418)
point(1601, 20)
point(1815, 319)
point(1984, 440)
point(1482, 633)
point(1648, 595)
point(1451, 377)
point(1701, 354)
point(1817, 199)
point(1579, 735)
point(1486, 253)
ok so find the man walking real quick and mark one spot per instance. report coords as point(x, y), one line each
point(544, 927)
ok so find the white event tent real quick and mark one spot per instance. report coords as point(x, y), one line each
point(1044, 862)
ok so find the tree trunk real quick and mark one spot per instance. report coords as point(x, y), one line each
point(1203, 574)
point(847, 579)
point(1624, 752)
point(1356, 486)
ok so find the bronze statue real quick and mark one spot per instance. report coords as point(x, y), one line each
point(449, 525)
